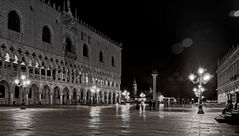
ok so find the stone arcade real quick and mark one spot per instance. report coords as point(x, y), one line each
point(64, 58)
point(228, 77)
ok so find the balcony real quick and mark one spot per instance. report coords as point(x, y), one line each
point(47, 46)
point(71, 55)
point(86, 59)
point(101, 64)
point(16, 36)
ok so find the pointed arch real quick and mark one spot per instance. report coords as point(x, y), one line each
point(69, 45)
point(45, 95)
point(33, 95)
point(14, 21)
point(113, 61)
point(85, 51)
point(74, 94)
point(101, 57)
point(56, 95)
point(4, 88)
point(47, 34)
point(66, 94)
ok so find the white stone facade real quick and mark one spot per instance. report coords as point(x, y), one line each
point(228, 77)
point(64, 58)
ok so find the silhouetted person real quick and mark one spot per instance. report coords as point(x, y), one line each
point(228, 107)
point(154, 105)
point(137, 105)
point(150, 104)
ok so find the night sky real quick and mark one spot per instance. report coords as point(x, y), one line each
point(152, 33)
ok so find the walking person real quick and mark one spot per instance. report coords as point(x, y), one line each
point(142, 105)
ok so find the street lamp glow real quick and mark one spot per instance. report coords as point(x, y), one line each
point(125, 93)
point(97, 90)
point(142, 95)
point(206, 77)
point(202, 89)
point(16, 81)
point(23, 81)
point(28, 82)
point(195, 89)
point(23, 77)
point(192, 77)
point(201, 70)
point(236, 13)
point(200, 79)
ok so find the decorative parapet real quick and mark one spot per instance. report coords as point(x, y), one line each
point(228, 55)
point(75, 19)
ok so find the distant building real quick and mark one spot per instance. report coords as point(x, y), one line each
point(66, 60)
point(228, 77)
point(134, 87)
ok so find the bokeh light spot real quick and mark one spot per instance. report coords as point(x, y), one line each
point(187, 42)
point(177, 48)
point(236, 13)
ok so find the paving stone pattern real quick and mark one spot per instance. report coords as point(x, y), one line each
point(121, 120)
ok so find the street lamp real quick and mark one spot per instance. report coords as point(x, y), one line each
point(142, 96)
point(202, 78)
point(94, 90)
point(24, 82)
point(126, 94)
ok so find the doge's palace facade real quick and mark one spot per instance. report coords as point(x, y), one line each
point(66, 60)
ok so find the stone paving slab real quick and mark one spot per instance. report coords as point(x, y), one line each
point(121, 120)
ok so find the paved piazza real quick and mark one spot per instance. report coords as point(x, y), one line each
point(118, 120)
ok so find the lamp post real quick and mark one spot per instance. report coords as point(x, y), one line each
point(202, 78)
point(23, 82)
point(142, 96)
point(126, 95)
point(94, 90)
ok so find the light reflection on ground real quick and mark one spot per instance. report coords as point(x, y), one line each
point(110, 121)
point(94, 120)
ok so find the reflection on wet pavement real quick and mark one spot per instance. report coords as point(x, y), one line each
point(22, 122)
point(94, 120)
point(119, 120)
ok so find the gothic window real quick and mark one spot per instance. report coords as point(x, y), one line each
point(2, 91)
point(82, 36)
point(89, 39)
point(112, 61)
point(30, 93)
point(46, 34)
point(101, 57)
point(85, 51)
point(68, 45)
point(14, 21)
point(17, 89)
